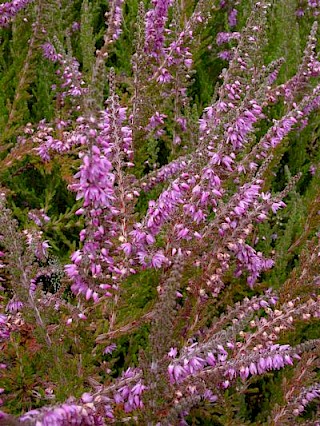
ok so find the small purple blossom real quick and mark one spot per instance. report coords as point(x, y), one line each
point(173, 352)
point(10, 9)
point(109, 349)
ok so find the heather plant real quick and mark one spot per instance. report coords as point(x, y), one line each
point(167, 311)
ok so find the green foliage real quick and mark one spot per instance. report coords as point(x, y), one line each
point(282, 21)
point(87, 40)
point(31, 186)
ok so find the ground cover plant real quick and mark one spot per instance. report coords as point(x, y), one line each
point(159, 212)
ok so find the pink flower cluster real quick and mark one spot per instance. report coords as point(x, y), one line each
point(64, 415)
point(155, 27)
point(308, 5)
point(10, 9)
point(305, 397)
point(4, 327)
point(232, 12)
point(192, 363)
point(164, 173)
point(226, 37)
point(70, 76)
point(115, 20)
point(130, 395)
point(100, 183)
